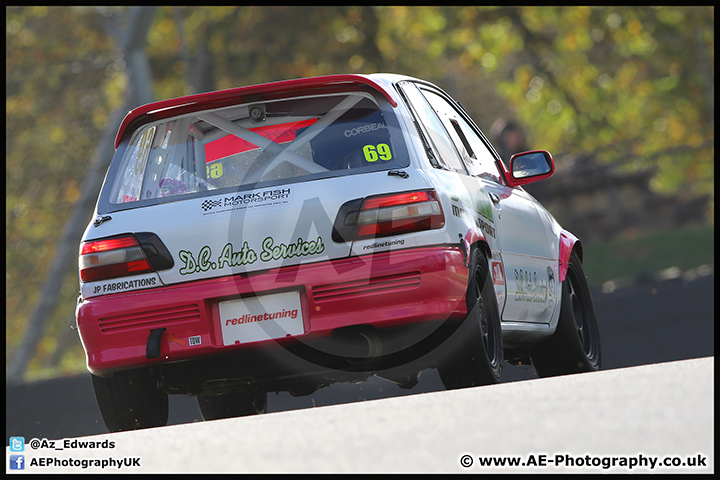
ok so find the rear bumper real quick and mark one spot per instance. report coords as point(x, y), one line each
point(383, 290)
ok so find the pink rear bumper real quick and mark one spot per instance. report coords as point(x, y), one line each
point(383, 290)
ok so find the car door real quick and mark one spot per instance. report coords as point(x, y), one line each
point(525, 268)
point(469, 199)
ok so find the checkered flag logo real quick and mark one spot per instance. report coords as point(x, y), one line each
point(208, 204)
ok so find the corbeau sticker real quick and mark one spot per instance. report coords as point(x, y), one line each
point(365, 129)
point(231, 256)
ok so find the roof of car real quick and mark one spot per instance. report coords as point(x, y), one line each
point(180, 105)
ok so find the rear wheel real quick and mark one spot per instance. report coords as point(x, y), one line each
point(476, 351)
point(232, 404)
point(130, 400)
point(575, 345)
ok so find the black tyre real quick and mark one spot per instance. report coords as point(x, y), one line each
point(476, 351)
point(575, 345)
point(130, 400)
point(232, 404)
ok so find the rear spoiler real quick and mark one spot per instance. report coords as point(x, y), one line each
point(233, 96)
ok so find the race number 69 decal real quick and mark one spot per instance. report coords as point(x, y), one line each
point(373, 152)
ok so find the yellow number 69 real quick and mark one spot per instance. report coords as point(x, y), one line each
point(381, 151)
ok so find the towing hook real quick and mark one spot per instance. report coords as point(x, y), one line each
point(153, 347)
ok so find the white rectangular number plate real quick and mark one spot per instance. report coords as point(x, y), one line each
point(265, 317)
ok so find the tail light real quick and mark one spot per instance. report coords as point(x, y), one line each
point(112, 257)
point(386, 215)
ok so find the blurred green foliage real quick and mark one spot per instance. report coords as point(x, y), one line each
point(635, 257)
point(633, 86)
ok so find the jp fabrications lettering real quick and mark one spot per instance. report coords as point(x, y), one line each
point(128, 284)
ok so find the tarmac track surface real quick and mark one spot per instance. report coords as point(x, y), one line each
point(640, 325)
point(653, 418)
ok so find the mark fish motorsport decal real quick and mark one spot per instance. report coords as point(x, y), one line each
point(242, 201)
point(231, 256)
point(481, 206)
point(479, 221)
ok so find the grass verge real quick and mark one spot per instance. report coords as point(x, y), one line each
point(642, 256)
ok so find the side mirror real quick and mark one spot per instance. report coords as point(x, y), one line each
point(529, 167)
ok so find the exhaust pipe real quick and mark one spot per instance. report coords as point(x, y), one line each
point(359, 346)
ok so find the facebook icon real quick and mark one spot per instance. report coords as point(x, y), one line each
point(17, 462)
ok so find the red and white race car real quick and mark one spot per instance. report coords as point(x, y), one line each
point(285, 236)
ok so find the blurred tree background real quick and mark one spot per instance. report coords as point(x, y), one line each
point(630, 87)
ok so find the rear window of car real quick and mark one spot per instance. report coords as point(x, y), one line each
point(255, 144)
